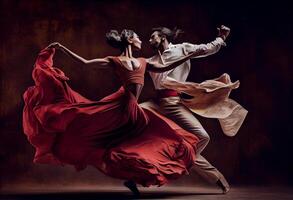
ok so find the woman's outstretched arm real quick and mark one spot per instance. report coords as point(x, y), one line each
point(159, 68)
point(101, 61)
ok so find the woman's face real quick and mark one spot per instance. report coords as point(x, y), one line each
point(135, 42)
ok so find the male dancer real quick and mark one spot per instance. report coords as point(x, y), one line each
point(168, 101)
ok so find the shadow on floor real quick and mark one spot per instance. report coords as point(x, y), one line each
point(96, 195)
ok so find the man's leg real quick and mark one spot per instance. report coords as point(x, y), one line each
point(174, 110)
point(210, 173)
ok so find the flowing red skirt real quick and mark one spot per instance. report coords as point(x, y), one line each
point(115, 134)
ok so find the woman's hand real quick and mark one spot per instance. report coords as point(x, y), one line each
point(55, 45)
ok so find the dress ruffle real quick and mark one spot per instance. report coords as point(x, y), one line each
point(115, 134)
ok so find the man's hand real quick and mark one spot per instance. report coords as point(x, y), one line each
point(55, 45)
point(223, 32)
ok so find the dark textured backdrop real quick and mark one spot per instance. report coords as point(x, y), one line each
point(258, 53)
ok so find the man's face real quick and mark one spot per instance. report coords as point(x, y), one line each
point(155, 40)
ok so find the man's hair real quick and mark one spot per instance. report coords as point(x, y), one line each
point(171, 35)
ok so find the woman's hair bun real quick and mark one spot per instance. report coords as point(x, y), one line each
point(114, 39)
point(119, 40)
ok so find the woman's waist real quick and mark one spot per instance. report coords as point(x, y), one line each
point(133, 88)
point(133, 80)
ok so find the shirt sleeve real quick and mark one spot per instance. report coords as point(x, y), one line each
point(152, 59)
point(204, 50)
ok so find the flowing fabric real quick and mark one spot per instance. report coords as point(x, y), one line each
point(115, 134)
point(211, 100)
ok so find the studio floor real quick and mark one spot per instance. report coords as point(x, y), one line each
point(171, 192)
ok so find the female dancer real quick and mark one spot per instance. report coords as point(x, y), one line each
point(114, 134)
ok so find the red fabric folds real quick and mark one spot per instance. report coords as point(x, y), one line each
point(114, 134)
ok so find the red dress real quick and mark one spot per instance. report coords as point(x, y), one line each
point(115, 134)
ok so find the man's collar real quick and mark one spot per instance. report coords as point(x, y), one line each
point(170, 46)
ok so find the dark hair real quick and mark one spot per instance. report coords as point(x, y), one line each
point(117, 40)
point(171, 35)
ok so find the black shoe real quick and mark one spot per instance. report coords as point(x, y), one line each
point(222, 183)
point(132, 186)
